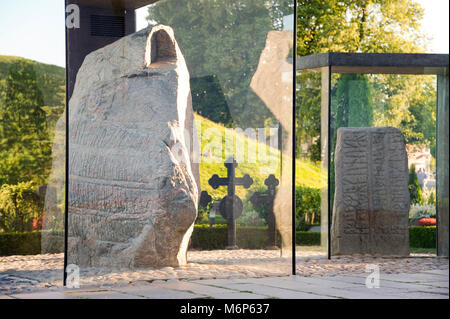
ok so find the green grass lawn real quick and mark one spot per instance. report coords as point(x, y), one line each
point(213, 143)
point(416, 250)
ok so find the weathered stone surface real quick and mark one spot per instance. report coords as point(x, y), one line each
point(273, 84)
point(133, 187)
point(371, 206)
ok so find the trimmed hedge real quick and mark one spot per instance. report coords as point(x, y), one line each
point(307, 204)
point(20, 243)
point(30, 243)
point(422, 236)
point(306, 238)
point(208, 238)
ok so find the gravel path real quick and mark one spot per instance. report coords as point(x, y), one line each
point(44, 272)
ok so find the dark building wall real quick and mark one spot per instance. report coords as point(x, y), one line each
point(98, 28)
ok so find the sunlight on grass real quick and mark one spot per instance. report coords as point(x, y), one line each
point(213, 151)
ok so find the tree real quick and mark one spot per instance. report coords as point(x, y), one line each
point(24, 142)
point(372, 26)
point(359, 26)
point(308, 110)
point(209, 101)
point(354, 106)
point(415, 191)
point(419, 127)
point(223, 39)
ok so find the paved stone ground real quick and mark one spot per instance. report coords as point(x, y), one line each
point(237, 274)
point(431, 284)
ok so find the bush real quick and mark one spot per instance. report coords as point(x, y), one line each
point(422, 237)
point(29, 243)
point(306, 238)
point(203, 237)
point(315, 154)
point(203, 214)
point(20, 207)
point(209, 238)
point(251, 218)
point(254, 216)
point(308, 201)
point(20, 243)
point(429, 196)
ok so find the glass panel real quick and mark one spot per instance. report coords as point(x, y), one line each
point(239, 59)
point(312, 114)
point(146, 147)
point(32, 173)
point(407, 103)
point(442, 163)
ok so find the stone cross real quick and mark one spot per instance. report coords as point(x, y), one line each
point(231, 205)
point(258, 200)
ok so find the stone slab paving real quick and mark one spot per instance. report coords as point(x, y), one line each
point(155, 292)
point(214, 289)
point(44, 295)
point(392, 286)
point(105, 294)
point(237, 274)
point(220, 289)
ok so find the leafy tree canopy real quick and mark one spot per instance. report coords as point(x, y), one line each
point(372, 26)
point(31, 100)
point(223, 39)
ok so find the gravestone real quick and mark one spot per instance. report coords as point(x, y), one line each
point(205, 199)
point(258, 200)
point(371, 205)
point(133, 187)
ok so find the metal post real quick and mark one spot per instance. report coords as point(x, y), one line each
point(294, 71)
point(442, 169)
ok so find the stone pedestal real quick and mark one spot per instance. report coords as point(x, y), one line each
point(371, 206)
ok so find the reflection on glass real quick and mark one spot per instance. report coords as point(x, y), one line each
point(32, 99)
point(238, 56)
point(212, 102)
point(406, 102)
point(312, 163)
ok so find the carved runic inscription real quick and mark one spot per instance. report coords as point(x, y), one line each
point(371, 206)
